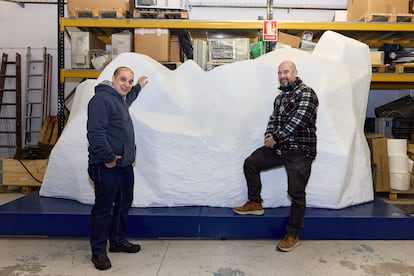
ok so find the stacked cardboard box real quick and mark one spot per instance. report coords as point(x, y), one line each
point(154, 43)
point(121, 43)
point(379, 157)
point(175, 50)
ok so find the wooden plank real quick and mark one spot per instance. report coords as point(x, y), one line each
point(55, 132)
point(12, 188)
point(45, 124)
point(49, 132)
point(8, 189)
point(146, 13)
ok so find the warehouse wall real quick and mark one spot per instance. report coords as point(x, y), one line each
point(35, 25)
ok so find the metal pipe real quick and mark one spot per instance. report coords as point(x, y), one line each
point(269, 9)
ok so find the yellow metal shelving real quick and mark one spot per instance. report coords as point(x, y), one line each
point(371, 33)
point(226, 25)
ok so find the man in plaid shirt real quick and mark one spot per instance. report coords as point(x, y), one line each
point(290, 141)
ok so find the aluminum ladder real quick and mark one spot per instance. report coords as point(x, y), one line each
point(37, 96)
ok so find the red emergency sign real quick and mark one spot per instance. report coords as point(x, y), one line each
point(269, 30)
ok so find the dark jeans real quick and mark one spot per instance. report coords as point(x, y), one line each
point(114, 190)
point(298, 168)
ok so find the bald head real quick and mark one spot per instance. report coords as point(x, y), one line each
point(287, 73)
point(123, 80)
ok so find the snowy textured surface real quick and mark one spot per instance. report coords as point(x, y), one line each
point(194, 129)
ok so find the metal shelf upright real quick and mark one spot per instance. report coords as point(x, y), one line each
point(61, 65)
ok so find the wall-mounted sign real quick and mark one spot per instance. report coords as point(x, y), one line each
point(269, 30)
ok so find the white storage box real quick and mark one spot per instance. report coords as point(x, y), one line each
point(122, 43)
point(83, 47)
point(228, 50)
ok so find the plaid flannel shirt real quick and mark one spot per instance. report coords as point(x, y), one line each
point(293, 121)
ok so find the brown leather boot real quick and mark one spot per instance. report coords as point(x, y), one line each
point(250, 208)
point(288, 243)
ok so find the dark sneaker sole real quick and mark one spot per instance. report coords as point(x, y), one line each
point(101, 266)
point(253, 212)
point(117, 250)
point(123, 251)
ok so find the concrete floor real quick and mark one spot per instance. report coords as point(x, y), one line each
point(71, 256)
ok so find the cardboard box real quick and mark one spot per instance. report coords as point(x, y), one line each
point(379, 156)
point(175, 50)
point(15, 174)
point(340, 16)
point(410, 153)
point(356, 9)
point(154, 43)
point(121, 43)
point(377, 58)
point(288, 39)
point(83, 47)
point(74, 6)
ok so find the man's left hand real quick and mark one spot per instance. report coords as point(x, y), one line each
point(142, 81)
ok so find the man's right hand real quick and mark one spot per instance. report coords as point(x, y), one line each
point(113, 163)
point(269, 142)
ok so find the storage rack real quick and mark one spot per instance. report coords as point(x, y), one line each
point(372, 33)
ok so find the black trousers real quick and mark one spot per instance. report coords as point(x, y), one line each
point(298, 168)
point(114, 192)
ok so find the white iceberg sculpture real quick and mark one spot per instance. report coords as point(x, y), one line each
point(194, 129)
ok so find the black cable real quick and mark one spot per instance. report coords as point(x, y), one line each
point(28, 171)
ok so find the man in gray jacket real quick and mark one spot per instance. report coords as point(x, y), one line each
point(111, 154)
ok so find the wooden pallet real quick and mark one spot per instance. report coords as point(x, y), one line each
point(404, 68)
point(98, 13)
point(397, 68)
point(393, 194)
point(387, 17)
point(13, 188)
point(160, 13)
point(8, 189)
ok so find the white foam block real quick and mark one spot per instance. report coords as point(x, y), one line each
point(194, 129)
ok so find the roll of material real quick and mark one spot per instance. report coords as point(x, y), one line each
point(397, 146)
point(398, 164)
point(400, 181)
